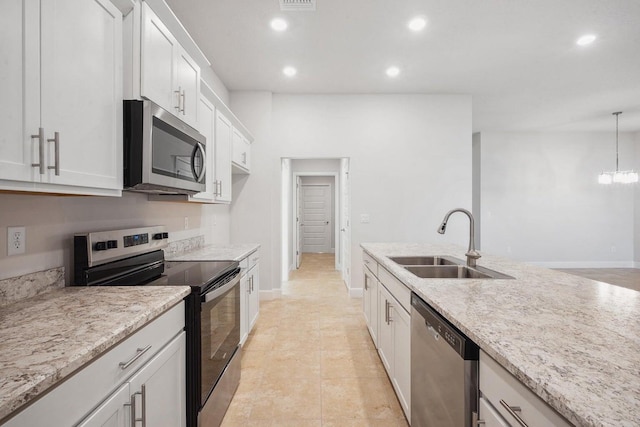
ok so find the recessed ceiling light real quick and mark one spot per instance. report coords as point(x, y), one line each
point(289, 71)
point(393, 71)
point(417, 24)
point(585, 40)
point(279, 24)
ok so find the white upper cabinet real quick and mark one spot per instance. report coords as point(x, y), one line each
point(241, 156)
point(222, 181)
point(206, 125)
point(169, 76)
point(61, 127)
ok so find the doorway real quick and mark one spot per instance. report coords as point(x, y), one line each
point(315, 201)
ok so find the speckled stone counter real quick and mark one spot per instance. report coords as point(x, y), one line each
point(216, 253)
point(46, 338)
point(574, 342)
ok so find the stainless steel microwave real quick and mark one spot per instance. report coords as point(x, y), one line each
point(162, 154)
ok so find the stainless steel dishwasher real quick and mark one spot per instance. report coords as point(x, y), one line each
point(444, 371)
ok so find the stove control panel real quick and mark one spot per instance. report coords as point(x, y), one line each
point(91, 249)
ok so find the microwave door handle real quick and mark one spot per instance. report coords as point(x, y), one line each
point(209, 296)
point(198, 177)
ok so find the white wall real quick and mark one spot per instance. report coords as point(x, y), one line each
point(51, 221)
point(410, 163)
point(541, 201)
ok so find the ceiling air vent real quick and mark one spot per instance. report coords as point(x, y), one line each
point(298, 5)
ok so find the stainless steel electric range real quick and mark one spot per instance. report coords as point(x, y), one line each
point(135, 257)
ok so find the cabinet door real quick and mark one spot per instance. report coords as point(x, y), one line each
point(206, 117)
point(254, 295)
point(158, 68)
point(385, 329)
point(244, 308)
point(401, 322)
point(188, 73)
point(19, 84)
point(370, 304)
point(113, 412)
point(81, 92)
point(224, 131)
point(490, 416)
point(161, 385)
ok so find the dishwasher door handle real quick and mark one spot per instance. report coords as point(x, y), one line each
point(432, 331)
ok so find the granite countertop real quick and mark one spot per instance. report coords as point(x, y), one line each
point(574, 342)
point(216, 253)
point(46, 338)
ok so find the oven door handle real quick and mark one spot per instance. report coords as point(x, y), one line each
point(215, 293)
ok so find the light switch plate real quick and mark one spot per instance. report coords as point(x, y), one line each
point(16, 240)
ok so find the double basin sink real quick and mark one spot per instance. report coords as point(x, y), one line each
point(445, 267)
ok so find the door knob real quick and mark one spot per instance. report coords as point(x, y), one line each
point(327, 222)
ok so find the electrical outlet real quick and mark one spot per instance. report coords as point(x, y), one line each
point(16, 240)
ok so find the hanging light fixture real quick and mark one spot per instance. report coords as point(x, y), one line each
point(618, 177)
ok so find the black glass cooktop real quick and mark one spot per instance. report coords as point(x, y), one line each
point(200, 275)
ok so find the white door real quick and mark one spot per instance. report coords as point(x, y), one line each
point(114, 412)
point(345, 225)
point(298, 221)
point(316, 218)
point(19, 69)
point(159, 50)
point(188, 73)
point(206, 117)
point(161, 383)
point(82, 102)
point(224, 130)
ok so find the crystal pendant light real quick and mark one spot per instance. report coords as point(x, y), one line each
point(618, 177)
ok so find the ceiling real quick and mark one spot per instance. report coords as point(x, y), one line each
point(517, 58)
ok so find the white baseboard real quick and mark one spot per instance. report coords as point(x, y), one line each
point(588, 264)
point(355, 293)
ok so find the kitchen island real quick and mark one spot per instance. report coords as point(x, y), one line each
point(46, 339)
point(574, 342)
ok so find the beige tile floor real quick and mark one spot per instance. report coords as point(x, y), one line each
point(310, 361)
point(625, 277)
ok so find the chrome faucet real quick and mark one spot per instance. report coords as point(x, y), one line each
point(472, 254)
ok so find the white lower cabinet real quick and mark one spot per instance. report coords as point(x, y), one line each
point(488, 414)
point(250, 294)
point(394, 345)
point(370, 304)
point(113, 412)
point(147, 369)
point(513, 400)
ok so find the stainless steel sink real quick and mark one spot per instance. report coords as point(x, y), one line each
point(455, 272)
point(426, 260)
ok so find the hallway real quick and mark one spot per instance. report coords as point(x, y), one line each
point(310, 361)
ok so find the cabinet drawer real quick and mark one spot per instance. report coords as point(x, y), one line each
point(249, 262)
point(396, 288)
point(498, 385)
point(370, 263)
point(77, 396)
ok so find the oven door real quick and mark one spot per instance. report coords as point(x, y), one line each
point(220, 333)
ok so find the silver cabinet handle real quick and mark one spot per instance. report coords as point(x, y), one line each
point(132, 404)
point(139, 353)
point(343, 229)
point(386, 312)
point(513, 410)
point(366, 261)
point(143, 389)
point(56, 142)
point(220, 183)
point(183, 96)
point(366, 288)
point(177, 92)
point(244, 158)
point(40, 137)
